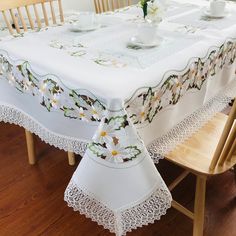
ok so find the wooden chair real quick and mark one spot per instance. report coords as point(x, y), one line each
point(211, 151)
point(13, 7)
point(110, 5)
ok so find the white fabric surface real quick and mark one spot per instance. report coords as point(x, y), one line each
point(79, 90)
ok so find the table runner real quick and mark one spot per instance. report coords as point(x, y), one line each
point(84, 96)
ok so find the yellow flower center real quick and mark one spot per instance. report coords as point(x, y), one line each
point(54, 101)
point(157, 98)
point(43, 88)
point(178, 85)
point(114, 153)
point(103, 134)
point(82, 114)
point(142, 114)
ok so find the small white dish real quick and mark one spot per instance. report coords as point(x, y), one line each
point(209, 14)
point(135, 41)
point(80, 28)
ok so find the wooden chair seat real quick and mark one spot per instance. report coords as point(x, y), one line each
point(196, 153)
point(211, 150)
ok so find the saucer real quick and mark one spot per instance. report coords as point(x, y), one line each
point(208, 13)
point(80, 28)
point(135, 41)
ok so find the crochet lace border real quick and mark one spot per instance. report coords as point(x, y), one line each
point(183, 130)
point(13, 115)
point(122, 221)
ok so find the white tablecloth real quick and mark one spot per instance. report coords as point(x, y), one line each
point(122, 108)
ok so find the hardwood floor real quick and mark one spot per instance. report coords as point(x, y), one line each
point(31, 197)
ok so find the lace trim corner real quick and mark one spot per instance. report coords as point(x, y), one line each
point(119, 222)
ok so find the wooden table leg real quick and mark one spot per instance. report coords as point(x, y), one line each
point(71, 158)
point(30, 147)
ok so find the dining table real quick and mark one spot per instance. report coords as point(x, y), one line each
point(120, 105)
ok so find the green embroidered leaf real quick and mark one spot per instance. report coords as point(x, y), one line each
point(81, 100)
point(97, 149)
point(148, 96)
point(53, 86)
point(133, 47)
point(78, 53)
point(132, 152)
point(46, 104)
point(99, 105)
point(70, 113)
point(118, 122)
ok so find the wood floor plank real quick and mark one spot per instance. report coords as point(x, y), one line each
point(31, 197)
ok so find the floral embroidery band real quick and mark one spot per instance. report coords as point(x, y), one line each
point(51, 95)
point(175, 85)
point(113, 128)
point(74, 105)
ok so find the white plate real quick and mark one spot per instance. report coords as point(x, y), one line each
point(134, 41)
point(208, 13)
point(79, 28)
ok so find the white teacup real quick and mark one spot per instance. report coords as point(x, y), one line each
point(217, 7)
point(87, 19)
point(147, 33)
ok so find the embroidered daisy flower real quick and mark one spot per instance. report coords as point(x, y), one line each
point(143, 113)
point(17, 74)
point(43, 88)
point(155, 11)
point(3, 68)
point(27, 85)
point(55, 100)
point(199, 80)
point(95, 114)
point(157, 98)
point(177, 86)
point(181, 86)
point(192, 73)
point(166, 98)
point(96, 111)
point(11, 79)
point(104, 134)
point(115, 153)
point(43, 94)
point(155, 104)
point(81, 114)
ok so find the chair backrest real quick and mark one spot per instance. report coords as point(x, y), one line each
point(13, 9)
point(231, 147)
point(226, 147)
point(110, 5)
